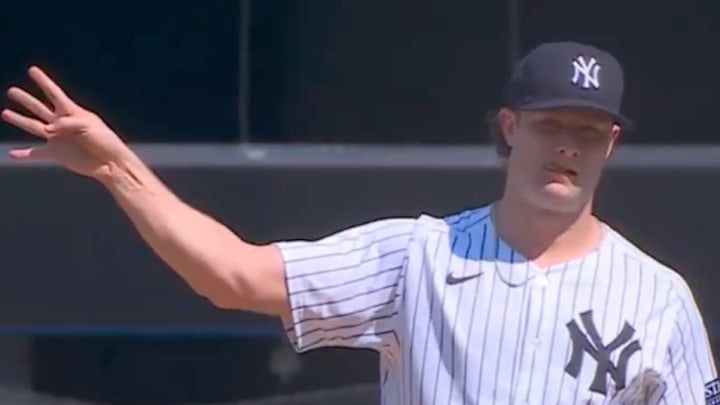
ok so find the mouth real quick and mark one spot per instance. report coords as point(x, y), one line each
point(558, 170)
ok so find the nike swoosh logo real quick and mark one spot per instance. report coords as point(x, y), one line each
point(452, 280)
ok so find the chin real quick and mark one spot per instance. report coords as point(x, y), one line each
point(560, 191)
point(558, 198)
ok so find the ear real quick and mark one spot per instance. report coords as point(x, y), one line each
point(507, 121)
point(614, 135)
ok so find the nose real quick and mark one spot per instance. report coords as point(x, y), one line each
point(568, 150)
point(567, 145)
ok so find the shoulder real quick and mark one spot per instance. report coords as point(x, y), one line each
point(436, 237)
point(389, 233)
point(667, 277)
point(457, 222)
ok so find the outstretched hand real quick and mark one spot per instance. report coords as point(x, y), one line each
point(73, 136)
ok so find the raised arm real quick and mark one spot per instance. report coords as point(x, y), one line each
point(214, 261)
point(217, 264)
point(341, 290)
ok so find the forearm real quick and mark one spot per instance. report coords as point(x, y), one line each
point(205, 253)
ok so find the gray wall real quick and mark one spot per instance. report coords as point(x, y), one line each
point(79, 279)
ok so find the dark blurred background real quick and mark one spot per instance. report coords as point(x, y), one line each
point(350, 71)
point(114, 325)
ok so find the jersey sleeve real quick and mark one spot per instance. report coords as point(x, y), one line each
point(344, 289)
point(691, 377)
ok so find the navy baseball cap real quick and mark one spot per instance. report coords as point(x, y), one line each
point(568, 74)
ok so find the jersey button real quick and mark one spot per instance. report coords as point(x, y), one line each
point(541, 281)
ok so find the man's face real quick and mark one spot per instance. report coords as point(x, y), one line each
point(557, 155)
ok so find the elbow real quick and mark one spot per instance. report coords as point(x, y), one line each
point(220, 300)
point(224, 302)
point(254, 297)
point(253, 282)
point(224, 283)
point(243, 300)
point(227, 295)
point(218, 287)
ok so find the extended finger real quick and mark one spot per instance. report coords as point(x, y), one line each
point(63, 104)
point(27, 124)
point(74, 124)
point(31, 103)
point(34, 153)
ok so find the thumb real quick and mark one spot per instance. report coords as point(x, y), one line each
point(40, 152)
point(72, 124)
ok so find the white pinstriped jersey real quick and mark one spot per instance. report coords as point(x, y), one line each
point(459, 317)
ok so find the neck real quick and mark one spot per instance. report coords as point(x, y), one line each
point(543, 236)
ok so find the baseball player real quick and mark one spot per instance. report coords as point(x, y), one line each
point(528, 300)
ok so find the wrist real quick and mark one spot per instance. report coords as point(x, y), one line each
point(116, 175)
point(124, 172)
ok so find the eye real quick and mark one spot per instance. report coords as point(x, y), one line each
point(589, 134)
point(548, 127)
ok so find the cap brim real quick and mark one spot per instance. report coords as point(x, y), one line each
point(620, 119)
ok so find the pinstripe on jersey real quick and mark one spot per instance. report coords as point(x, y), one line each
point(459, 317)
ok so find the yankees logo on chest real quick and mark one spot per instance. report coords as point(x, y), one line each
point(611, 362)
point(589, 347)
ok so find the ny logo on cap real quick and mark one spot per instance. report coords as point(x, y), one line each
point(585, 73)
